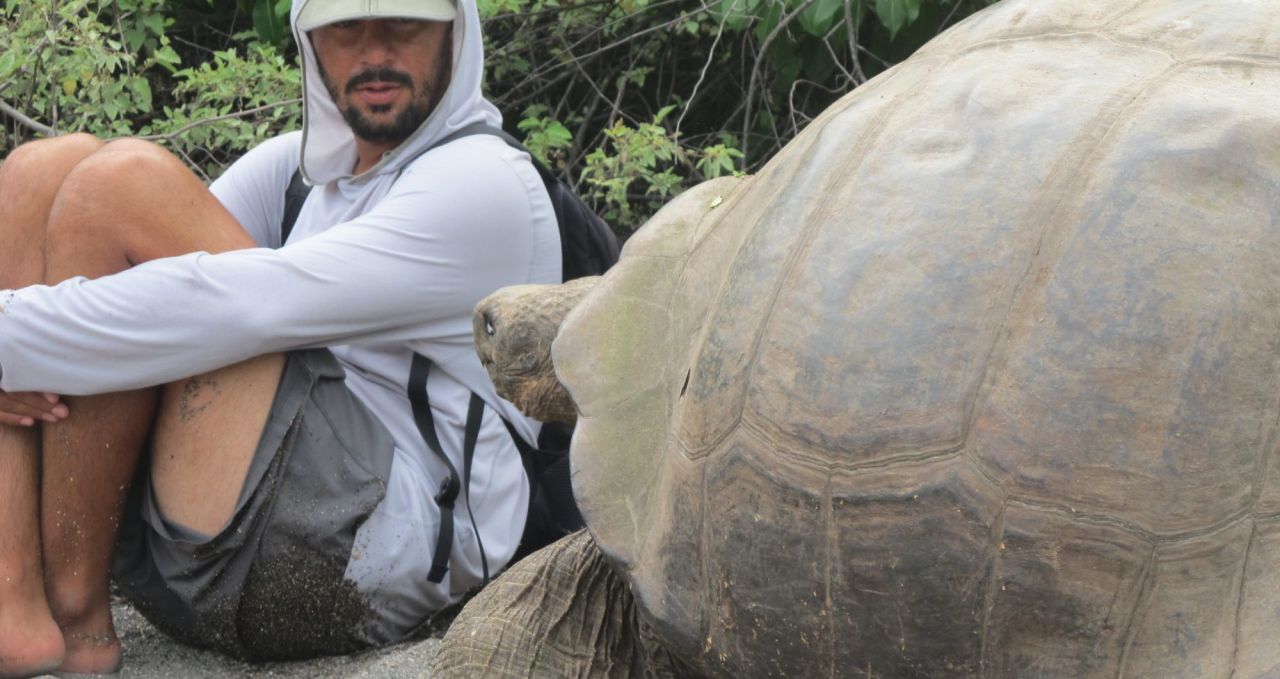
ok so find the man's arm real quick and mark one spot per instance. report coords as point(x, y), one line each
point(411, 268)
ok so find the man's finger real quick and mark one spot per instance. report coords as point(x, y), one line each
point(33, 405)
point(16, 420)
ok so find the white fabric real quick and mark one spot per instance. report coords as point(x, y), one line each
point(375, 269)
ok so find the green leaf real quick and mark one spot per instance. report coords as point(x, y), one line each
point(771, 17)
point(558, 136)
point(819, 17)
point(8, 62)
point(154, 23)
point(267, 22)
point(141, 92)
point(135, 37)
point(166, 57)
point(895, 14)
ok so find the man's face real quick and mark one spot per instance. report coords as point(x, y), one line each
point(385, 75)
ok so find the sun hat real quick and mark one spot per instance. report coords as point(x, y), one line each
point(317, 13)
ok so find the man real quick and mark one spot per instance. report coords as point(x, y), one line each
point(281, 511)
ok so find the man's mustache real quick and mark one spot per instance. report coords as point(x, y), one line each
point(384, 74)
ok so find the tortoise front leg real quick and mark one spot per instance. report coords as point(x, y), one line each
point(561, 612)
point(514, 328)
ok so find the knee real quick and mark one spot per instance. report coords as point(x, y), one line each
point(116, 178)
point(61, 151)
point(123, 165)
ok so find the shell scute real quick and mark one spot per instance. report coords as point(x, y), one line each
point(1259, 614)
point(1087, 581)
point(1187, 626)
point(1143, 330)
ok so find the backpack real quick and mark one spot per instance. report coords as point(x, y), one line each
point(588, 247)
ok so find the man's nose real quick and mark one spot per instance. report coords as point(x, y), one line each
point(376, 45)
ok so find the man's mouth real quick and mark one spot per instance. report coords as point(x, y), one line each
point(378, 93)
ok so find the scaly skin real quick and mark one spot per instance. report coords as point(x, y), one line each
point(514, 328)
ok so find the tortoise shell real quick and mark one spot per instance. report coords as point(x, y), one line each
point(979, 376)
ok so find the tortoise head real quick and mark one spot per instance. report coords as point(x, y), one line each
point(514, 328)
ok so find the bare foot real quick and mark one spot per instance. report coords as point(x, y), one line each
point(30, 641)
point(91, 653)
point(91, 643)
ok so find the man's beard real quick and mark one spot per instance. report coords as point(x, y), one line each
point(424, 97)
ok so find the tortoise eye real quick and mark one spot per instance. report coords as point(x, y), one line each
point(488, 326)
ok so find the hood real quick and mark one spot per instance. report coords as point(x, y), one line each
point(329, 146)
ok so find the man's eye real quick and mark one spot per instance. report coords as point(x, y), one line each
point(345, 25)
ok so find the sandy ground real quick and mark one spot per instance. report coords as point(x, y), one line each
point(149, 654)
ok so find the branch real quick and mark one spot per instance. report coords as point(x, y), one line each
point(170, 136)
point(859, 76)
point(540, 70)
point(711, 54)
point(27, 122)
point(755, 71)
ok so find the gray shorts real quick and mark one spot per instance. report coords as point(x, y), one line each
point(270, 585)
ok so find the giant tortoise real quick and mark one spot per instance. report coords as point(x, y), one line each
point(979, 376)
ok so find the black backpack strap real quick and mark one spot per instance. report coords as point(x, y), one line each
point(475, 414)
point(419, 370)
point(521, 445)
point(294, 196)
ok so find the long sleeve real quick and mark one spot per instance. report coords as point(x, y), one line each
point(409, 269)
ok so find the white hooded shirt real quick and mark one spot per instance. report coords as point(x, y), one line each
point(378, 266)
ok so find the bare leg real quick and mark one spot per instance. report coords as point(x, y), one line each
point(205, 436)
point(30, 641)
point(127, 203)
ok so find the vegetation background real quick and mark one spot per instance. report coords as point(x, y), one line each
point(630, 101)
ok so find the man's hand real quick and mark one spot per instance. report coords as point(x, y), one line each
point(24, 409)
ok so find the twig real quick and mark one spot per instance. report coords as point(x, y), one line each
point(547, 10)
point(538, 72)
point(128, 64)
point(755, 70)
point(835, 58)
point(25, 121)
point(947, 20)
point(195, 166)
point(169, 136)
point(590, 83)
point(53, 103)
point(711, 53)
point(852, 29)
